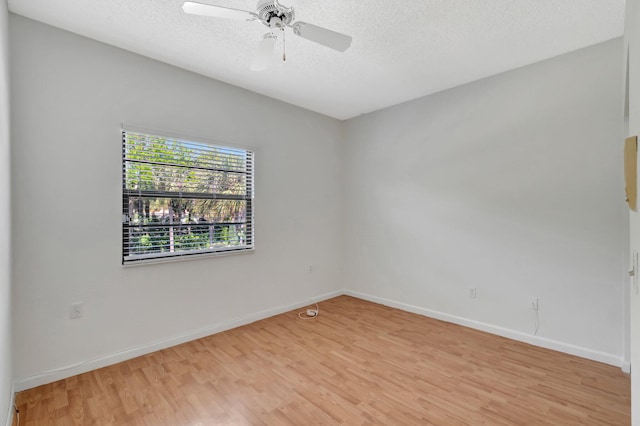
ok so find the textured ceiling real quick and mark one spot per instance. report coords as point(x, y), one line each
point(400, 51)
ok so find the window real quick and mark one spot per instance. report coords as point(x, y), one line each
point(182, 198)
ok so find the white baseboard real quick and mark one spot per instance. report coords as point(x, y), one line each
point(12, 401)
point(626, 367)
point(555, 345)
point(135, 351)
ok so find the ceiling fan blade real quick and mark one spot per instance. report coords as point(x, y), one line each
point(264, 53)
point(331, 39)
point(193, 8)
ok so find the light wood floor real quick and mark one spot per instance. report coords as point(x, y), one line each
point(357, 363)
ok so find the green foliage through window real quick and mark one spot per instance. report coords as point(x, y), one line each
point(183, 198)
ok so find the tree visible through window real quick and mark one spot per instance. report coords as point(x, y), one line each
point(183, 198)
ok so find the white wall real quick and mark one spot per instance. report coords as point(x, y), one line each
point(632, 47)
point(512, 185)
point(5, 224)
point(70, 95)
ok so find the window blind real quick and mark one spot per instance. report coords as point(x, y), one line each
point(183, 198)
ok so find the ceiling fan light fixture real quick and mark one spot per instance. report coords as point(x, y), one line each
point(262, 57)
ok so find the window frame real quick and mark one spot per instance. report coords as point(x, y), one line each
point(129, 259)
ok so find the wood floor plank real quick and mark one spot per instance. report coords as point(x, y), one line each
point(356, 363)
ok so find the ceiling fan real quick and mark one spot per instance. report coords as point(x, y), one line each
point(275, 17)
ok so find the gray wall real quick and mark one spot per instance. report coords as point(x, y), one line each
point(70, 96)
point(511, 185)
point(5, 224)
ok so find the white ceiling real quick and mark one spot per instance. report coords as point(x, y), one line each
point(401, 50)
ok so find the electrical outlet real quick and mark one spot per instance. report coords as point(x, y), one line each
point(310, 268)
point(76, 311)
point(533, 303)
point(472, 293)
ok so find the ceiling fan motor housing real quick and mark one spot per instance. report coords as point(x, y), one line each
point(267, 10)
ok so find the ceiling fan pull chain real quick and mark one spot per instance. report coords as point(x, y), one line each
point(284, 52)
